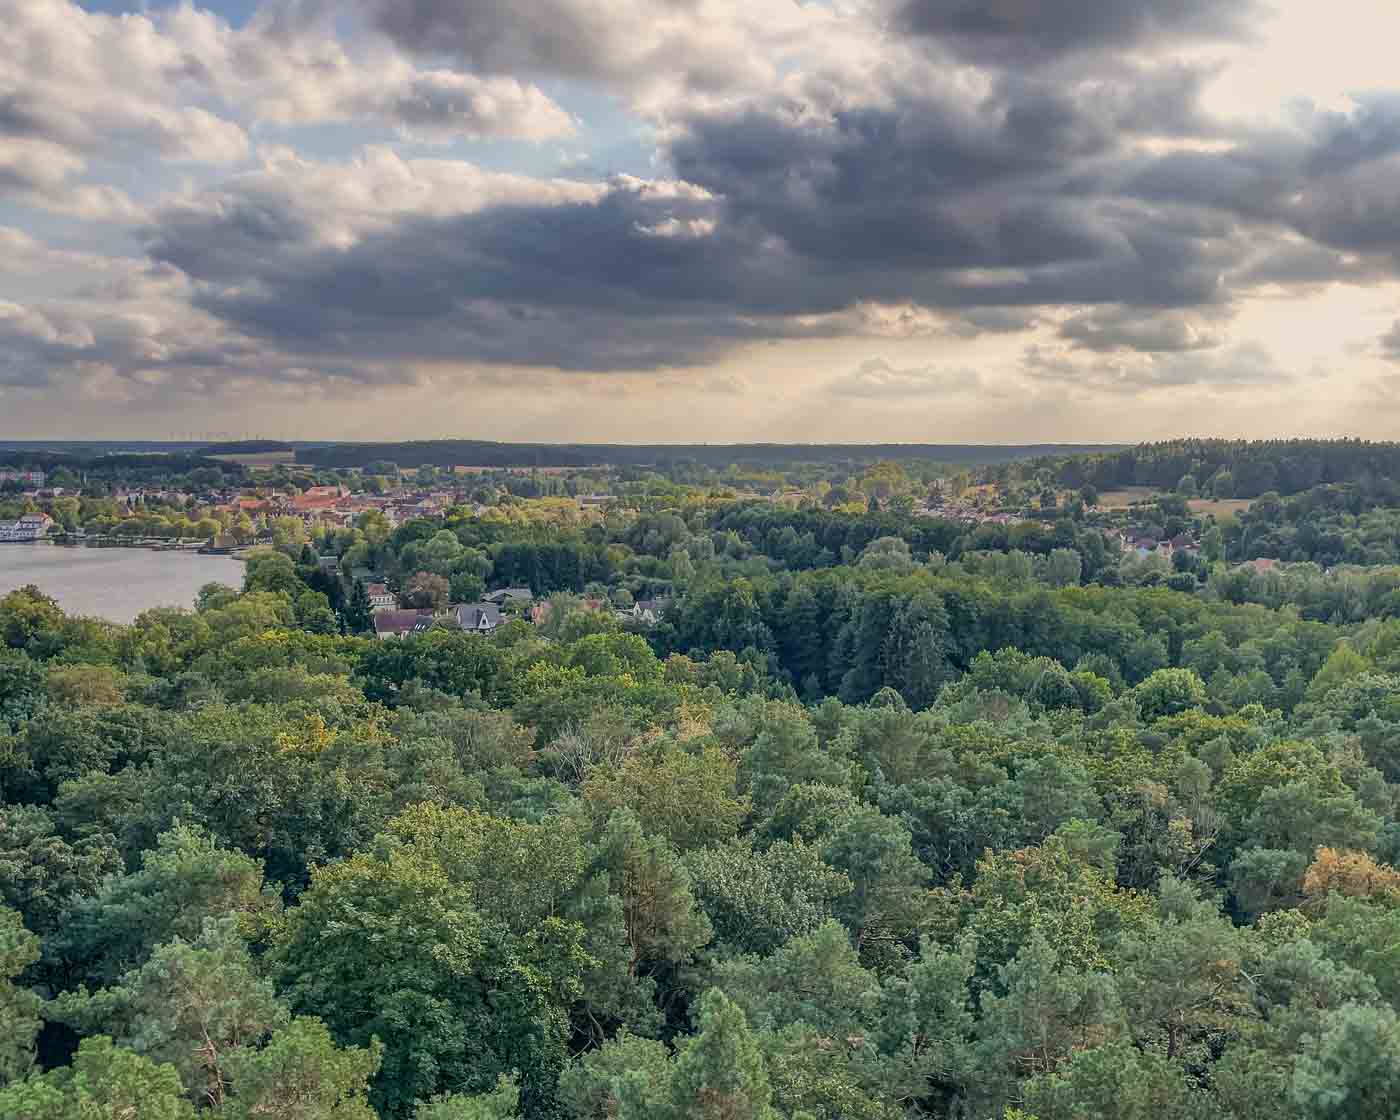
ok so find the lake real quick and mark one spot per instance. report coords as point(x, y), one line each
point(114, 583)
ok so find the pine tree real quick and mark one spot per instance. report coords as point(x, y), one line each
point(1351, 1066)
point(662, 922)
point(357, 616)
point(104, 1081)
point(720, 1074)
point(503, 1103)
point(301, 1072)
point(19, 1008)
point(1047, 1013)
point(1113, 1082)
point(190, 1005)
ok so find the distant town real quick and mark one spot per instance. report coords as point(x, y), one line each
point(355, 525)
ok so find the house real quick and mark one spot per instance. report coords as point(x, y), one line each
point(479, 618)
point(1263, 564)
point(540, 611)
point(328, 564)
point(380, 597)
point(1144, 543)
point(503, 595)
point(33, 478)
point(30, 527)
point(320, 493)
point(316, 502)
point(648, 611)
point(398, 624)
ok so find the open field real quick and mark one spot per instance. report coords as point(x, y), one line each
point(1123, 498)
point(1220, 507)
point(265, 460)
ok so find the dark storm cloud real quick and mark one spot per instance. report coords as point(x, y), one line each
point(1345, 140)
point(1358, 211)
point(1110, 329)
point(639, 279)
point(907, 194)
point(1242, 367)
point(651, 275)
point(703, 45)
point(1035, 29)
point(1390, 343)
point(239, 236)
point(920, 137)
point(557, 36)
point(1343, 187)
point(987, 205)
point(1298, 265)
point(1334, 179)
point(991, 320)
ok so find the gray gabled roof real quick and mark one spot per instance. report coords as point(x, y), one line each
point(506, 594)
point(479, 616)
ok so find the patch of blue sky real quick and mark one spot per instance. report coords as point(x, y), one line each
point(236, 12)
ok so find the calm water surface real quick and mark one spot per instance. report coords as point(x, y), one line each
point(114, 583)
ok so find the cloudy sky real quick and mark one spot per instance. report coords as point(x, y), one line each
point(651, 220)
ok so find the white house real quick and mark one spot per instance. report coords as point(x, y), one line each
point(380, 597)
point(30, 527)
point(646, 611)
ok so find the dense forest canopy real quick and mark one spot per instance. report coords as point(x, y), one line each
point(1237, 468)
point(134, 466)
point(876, 816)
point(73, 469)
point(245, 447)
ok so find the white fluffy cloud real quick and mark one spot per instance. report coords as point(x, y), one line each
point(291, 74)
point(75, 86)
point(292, 204)
point(182, 85)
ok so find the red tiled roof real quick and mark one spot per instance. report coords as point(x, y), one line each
point(398, 622)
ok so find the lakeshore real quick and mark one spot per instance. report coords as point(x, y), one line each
point(113, 582)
